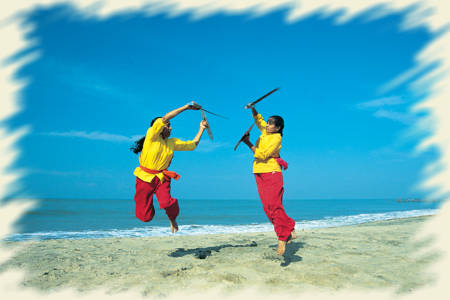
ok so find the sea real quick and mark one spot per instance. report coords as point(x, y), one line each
point(106, 218)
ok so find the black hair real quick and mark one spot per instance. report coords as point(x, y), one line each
point(279, 122)
point(137, 147)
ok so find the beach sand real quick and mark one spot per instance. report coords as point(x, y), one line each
point(378, 255)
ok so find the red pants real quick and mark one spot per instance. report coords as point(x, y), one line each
point(143, 198)
point(270, 189)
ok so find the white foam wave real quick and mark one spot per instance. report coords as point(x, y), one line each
point(194, 229)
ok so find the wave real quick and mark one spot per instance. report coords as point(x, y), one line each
point(194, 229)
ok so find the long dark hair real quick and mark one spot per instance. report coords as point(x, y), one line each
point(279, 122)
point(137, 146)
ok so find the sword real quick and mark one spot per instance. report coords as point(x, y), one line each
point(251, 104)
point(215, 114)
point(207, 128)
point(198, 106)
point(242, 138)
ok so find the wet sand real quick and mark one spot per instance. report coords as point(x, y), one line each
point(380, 255)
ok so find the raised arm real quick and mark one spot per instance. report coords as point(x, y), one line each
point(190, 145)
point(259, 120)
point(203, 125)
point(177, 111)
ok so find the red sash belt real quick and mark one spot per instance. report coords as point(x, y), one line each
point(167, 174)
point(281, 162)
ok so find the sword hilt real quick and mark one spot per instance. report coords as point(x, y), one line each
point(194, 105)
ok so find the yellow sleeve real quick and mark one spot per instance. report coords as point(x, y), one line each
point(154, 131)
point(271, 146)
point(180, 145)
point(259, 121)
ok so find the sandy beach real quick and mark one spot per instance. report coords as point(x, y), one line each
point(379, 255)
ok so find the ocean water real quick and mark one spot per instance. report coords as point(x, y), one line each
point(88, 218)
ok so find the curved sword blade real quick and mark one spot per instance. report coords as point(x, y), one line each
point(207, 128)
point(217, 115)
point(259, 99)
point(248, 131)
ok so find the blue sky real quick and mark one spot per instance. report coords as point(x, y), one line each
point(99, 82)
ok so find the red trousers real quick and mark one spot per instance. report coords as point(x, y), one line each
point(270, 189)
point(143, 198)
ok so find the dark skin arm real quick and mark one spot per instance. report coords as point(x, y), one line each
point(203, 125)
point(246, 140)
point(177, 111)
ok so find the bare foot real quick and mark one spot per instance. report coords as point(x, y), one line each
point(281, 247)
point(173, 226)
point(292, 236)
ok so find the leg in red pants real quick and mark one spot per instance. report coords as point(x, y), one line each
point(166, 201)
point(143, 198)
point(270, 189)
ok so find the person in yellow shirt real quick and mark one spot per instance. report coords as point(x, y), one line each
point(152, 177)
point(269, 180)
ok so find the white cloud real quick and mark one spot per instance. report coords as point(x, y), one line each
point(380, 102)
point(205, 145)
point(54, 172)
point(381, 112)
point(403, 78)
point(389, 152)
point(208, 146)
point(88, 81)
point(95, 135)
point(395, 116)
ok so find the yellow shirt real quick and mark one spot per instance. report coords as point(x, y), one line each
point(157, 152)
point(267, 147)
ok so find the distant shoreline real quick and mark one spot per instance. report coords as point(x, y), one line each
point(226, 199)
point(418, 200)
point(151, 230)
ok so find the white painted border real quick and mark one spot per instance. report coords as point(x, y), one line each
point(432, 13)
